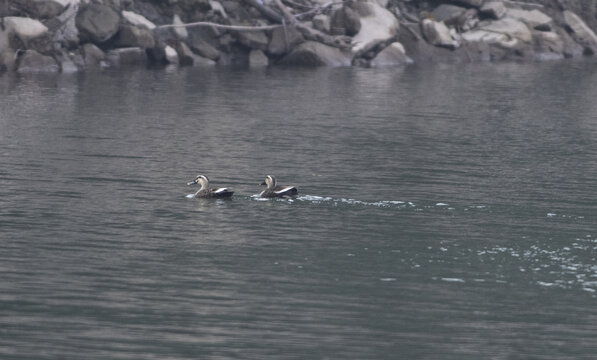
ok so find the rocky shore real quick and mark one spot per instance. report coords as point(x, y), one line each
point(70, 35)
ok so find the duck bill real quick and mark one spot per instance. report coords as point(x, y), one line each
point(192, 183)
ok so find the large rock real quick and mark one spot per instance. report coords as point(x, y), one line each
point(258, 59)
point(127, 56)
point(65, 29)
point(581, 33)
point(506, 32)
point(171, 55)
point(493, 10)
point(186, 57)
point(534, 19)
point(132, 36)
point(548, 45)
point(377, 23)
point(393, 55)
point(25, 29)
point(283, 41)
point(468, 3)
point(345, 21)
point(447, 13)
point(322, 23)
point(255, 40)
point(181, 32)
point(42, 9)
point(314, 54)
point(32, 61)
point(203, 48)
point(137, 20)
point(438, 34)
point(97, 23)
point(92, 55)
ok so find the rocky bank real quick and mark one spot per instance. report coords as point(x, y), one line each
point(70, 35)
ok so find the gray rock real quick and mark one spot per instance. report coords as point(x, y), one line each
point(40, 9)
point(548, 46)
point(581, 33)
point(258, 59)
point(127, 56)
point(447, 13)
point(92, 54)
point(347, 19)
point(378, 24)
point(534, 19)
point(256, 40)
point(493, 10)
point(171, 55)
point(314, 54)
point(393, 55)
point(132, 36)
point(181, 32)
point(437, 34)
point(468, 3)
point(66, 32)
point(203, 48)
point(25, 29)
point(32, 61)
point(137, 20)
point(97, 23)
point(322, 23)
point(278, 44)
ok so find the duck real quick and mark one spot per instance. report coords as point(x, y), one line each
point(274, 191)
point(206, 192)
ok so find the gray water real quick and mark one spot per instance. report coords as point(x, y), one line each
point(445, 212)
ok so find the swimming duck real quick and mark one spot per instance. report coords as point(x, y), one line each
point(206, 192)
point(273, 190)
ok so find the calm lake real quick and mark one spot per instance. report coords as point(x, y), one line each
point(444, 212)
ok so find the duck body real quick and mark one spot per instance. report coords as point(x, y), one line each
point(206, 192)
point(277, 191)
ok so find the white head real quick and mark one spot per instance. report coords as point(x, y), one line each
point(270, 182)
point(201, 180)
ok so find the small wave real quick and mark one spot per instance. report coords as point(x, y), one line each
point(190, 196)
point(458, 280)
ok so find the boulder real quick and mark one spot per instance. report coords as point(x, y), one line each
point(180, 32)
point(97, 23)
point(377, 23)
point(66, 32)
point(42, 9)
point(186, 57)
point(132, 36)
point(493, 10)
point(25, 29)
point(137, 20)
point(447, 13)
point(92, 55)
point(32, 61)
point(278, 44)
point(580, 32)
point(217, 7)
point(314, 54)
point(203, 48)
point(322, 23)
point(255, 40)
point(438, 34)
point(345, 21)
point(548, 45)
point(393, 55)
point(258, 59)
point(534, 19)
point(171, 55)
point(127, 56)
point(468, 3)
point(506, 32)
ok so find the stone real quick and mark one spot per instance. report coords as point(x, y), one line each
point(548, 46)
point(393, 55)
point(42, 9)
point(132, 36)
point(580, 32)
point(534, 19)
point(217, 7)
point(92, 54)
point(347, 19)
point(25, 29)
point(313, 54)
point(67, 33)
point(127, 56)
point(447, 13)
point(203, 48)
point(278, 45)
point(137, 20)
point(32, 61)
point(378, 24)
point(258, 59)
point(493, 10)
point(468, 3)
point(180, 32)
point(255, 40)
point(322, 23)
point(97, 23)
point(507, 32)
point(438, 34)
point(171, 55)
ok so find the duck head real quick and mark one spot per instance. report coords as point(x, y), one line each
point(201, 180)
point(269, 181)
